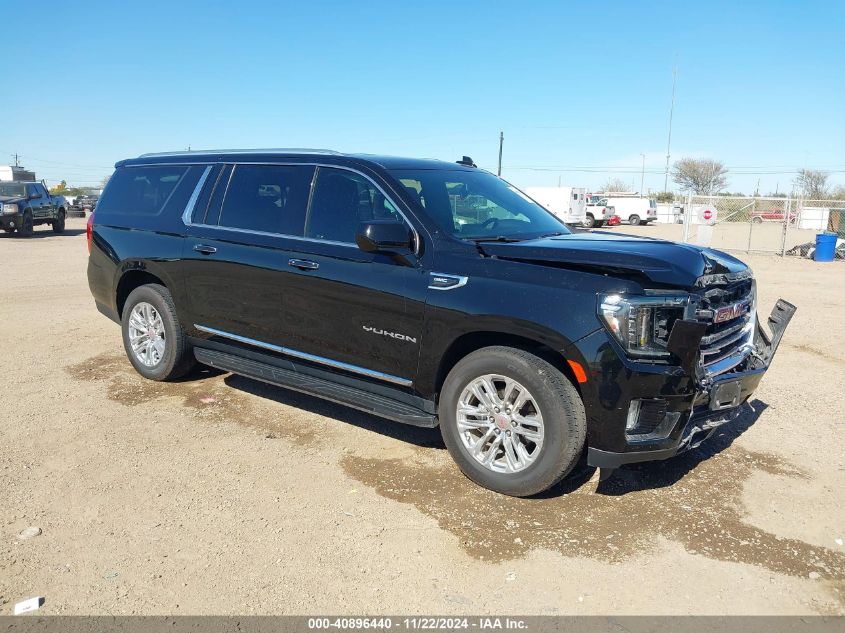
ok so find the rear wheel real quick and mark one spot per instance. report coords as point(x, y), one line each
point(59, 223)
point(511, 421)
point(589, 221)
point(27, 226)
point(757, 220)
point(152, 335)
point(634, 220)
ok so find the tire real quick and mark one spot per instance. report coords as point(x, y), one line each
point(589, 221)
point(634, 220)
point(757, 220)
point(59, 223)
point(547, 392)
point(9, 230)
point(27, 227)
point(174, 357)
point(598, 224)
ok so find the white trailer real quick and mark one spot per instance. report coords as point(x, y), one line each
point(15, 173)
point(567, 203)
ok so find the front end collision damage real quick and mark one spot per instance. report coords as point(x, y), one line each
point(714, 400)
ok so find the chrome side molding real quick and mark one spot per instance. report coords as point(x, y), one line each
point(336, 364)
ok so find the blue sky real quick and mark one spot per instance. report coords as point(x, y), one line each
point(580, 90)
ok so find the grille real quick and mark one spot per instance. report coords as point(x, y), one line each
point(728, 308)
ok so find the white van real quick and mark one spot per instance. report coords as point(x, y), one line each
point(567, 203)
point(633, 210)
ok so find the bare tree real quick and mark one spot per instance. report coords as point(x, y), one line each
point(702, 176)
point(812, 183)
point(615, 184)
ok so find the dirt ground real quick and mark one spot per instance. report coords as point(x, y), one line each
point(220, 495)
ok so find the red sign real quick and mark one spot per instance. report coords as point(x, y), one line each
point(708, 214)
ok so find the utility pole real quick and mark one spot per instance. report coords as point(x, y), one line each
point(669, 141)
point(642, 176)
point(501, 141)
point(16, 161)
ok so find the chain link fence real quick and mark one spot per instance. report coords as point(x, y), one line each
point(786, 226)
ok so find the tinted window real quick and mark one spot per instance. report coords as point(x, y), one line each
point(149, 190)
point(268, 198)
point(343, 199)
point(477, 204)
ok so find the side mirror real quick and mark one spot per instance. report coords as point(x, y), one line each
point(383, 236)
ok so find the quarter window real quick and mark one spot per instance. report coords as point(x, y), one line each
point(342, 200)
point(268, 198)
point(149, 190)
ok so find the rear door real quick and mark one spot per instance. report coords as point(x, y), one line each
point(344, 305)
point(237, 250)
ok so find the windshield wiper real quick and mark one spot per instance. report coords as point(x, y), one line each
point(498, 238)
point(555, 234)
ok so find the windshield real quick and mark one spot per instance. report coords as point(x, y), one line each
point(477, 204)
point(12, 189)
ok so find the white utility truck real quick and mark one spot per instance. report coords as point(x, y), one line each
point(567, 203)
point(632, 208)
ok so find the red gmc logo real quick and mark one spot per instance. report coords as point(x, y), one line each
point(730, 312)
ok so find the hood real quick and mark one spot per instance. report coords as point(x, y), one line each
point(664, 263)
point(10, 199)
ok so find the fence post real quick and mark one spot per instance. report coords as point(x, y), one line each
point(786, 215)
point(687, 214)
point(751, 224)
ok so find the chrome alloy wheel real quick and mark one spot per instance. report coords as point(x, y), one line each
point(146, 334)
point(500, 423)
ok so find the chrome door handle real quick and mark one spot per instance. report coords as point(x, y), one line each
point(205, 249)
point(303, 264)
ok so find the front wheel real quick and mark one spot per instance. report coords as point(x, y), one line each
point(152, 335)
point(511, 421)
point(59, 223)
point(27, 227)
point(757, 220)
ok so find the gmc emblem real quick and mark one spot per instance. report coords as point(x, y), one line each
point(730, 312)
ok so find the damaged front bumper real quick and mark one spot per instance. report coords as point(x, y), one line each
point(681, 405)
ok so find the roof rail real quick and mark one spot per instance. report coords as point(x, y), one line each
point(269, 150)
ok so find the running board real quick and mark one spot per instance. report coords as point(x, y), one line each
point(360, 399)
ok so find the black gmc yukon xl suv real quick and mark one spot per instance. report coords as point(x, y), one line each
point(429, 293)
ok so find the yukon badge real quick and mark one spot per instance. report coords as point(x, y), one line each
point(394, 335)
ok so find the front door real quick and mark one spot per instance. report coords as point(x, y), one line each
point(348, 306)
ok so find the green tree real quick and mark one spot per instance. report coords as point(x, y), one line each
point(60, 189)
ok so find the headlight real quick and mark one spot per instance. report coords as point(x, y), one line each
point(642, 323)
point(10, 208)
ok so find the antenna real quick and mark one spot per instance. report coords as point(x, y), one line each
point(669, 141)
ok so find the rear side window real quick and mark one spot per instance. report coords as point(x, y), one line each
point(343, 199)
point(149, 191)
point(268, 198)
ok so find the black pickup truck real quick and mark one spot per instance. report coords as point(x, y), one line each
point(25, 205)
point(353, 278)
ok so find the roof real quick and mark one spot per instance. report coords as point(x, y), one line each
point(326, 156)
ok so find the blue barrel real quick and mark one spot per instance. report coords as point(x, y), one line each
point(825, 247)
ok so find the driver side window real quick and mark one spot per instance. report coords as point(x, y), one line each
point(341, 200)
